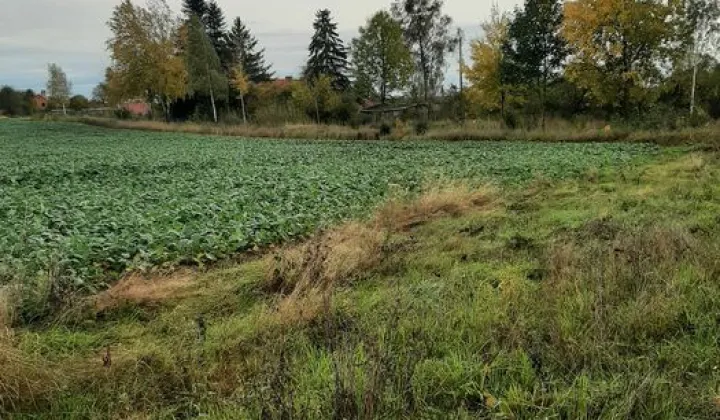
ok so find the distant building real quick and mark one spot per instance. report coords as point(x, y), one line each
point(137, 108)
point(283, 83)
point(40, 102)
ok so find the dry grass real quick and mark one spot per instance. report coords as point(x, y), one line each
point(557, 131)
point(143, 290)
point(436, 202)
point(24, 381)
point(8, 306)
point(305, 275)
point(288, 131)
point(708, 135)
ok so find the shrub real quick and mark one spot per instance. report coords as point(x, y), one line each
point(385, 129)
point(421, 127)
point(122, 114)
point(510, 120)
point(698, 118)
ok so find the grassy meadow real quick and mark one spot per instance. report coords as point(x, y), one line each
point(470, 280)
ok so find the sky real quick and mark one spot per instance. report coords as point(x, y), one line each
point(73, 33)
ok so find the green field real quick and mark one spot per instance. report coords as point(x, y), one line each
point(87, 203)
point(570, 281)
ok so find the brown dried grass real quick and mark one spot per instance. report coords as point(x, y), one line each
point(305, 275)
point(8, 306)
point(143, 290)
point(287, 131)
point(440, 201)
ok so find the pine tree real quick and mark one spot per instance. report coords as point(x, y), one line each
point(244, 52)
point(195, 8)
point(216, 31)
point(328, 55)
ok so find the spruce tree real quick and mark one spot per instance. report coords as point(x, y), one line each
point(195, 8)
point(245, 53)
point(216, 31)
point(328, 55)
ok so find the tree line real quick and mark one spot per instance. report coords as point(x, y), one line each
point(195, 66)
point(627, 58)
point(58, 95)
point(640, 60)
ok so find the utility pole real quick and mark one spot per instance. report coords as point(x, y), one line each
point(461, 63)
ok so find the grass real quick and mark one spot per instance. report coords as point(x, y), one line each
point(708, 135)
point(592, 297)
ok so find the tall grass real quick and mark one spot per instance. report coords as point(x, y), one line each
point(557, 131)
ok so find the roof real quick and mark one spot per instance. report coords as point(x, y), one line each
point(380, 108)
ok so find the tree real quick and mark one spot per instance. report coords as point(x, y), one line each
point(11, 101)
point(534, 51)
point(486, 82)
point(205, 74)
point(195, 8)
point(328, 55)
point(144, 53)
point(427, 31)
point(617, 47)
point(78, 103)
point(318, 97)
point(245, 53)
point(217, 32)
point(702, 23)
point(58, 86)
point(381, 60)
point(240, 82)
point(100, 93)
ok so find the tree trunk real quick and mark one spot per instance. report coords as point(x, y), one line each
point(64, 110)
point(242, 104)
point(543, 93)
point(212, 102)
point(692, 91)
point(317, 111)
point(502, 104)
point(426, 78)
point(461, 63)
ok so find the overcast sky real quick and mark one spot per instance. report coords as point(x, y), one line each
point(72, 33)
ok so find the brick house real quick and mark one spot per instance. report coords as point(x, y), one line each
point(40, 102)
point(137, 108)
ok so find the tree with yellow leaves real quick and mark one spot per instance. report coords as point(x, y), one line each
point(240, 82)
point(487, 90)
point(617, 46)
point(144, 54)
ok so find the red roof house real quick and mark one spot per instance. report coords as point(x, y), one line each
point(40, 102)
point(137, 108)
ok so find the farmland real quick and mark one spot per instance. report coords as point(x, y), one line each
point(552, 281)
point(86, 204)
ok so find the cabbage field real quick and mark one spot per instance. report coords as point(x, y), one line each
point(86, 203)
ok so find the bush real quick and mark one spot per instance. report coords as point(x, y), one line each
point(510, 120)
point(385, 129)
point(698, 118)
point(421, 127)
point(122, 114)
